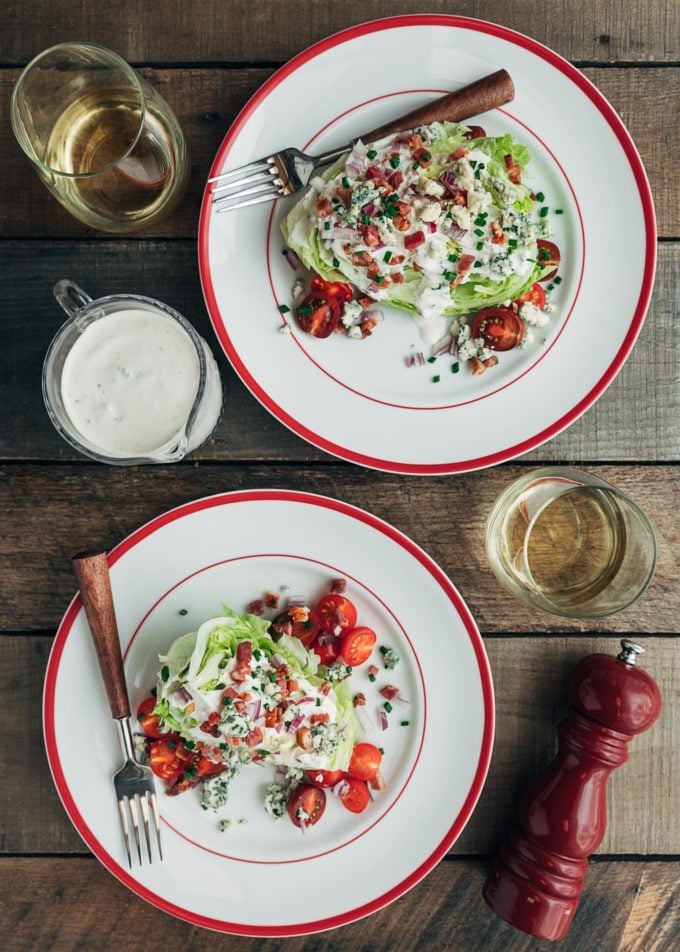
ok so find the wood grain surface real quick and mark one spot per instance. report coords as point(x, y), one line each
point(207, 100)
point(637, 419)
point(51, 512)
point(529, 677)
point(627, 907)
point(242, 31)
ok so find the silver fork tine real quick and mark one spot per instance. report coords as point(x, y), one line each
point(256, 177)
point(145, 817)
point(135, 825)
point(157, 821)
point(244, 169)
point(126, 831)
point(268, 197)
point(265, 187)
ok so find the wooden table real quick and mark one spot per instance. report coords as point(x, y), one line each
point(207, 58)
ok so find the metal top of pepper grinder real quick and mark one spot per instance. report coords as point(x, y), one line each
point(629, 651)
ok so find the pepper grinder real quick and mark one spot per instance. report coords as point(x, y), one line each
point(536, 881)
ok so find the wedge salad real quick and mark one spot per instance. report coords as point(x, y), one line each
point(245, 690)
point(437, 222)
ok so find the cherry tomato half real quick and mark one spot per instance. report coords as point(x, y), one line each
point(334, 289)
point(365, 762)
point(548, 254)
point(356, 646)
point(357, 798)
point(318, 314)
point(324, 778)
point(329, 650)
point(169, 758)
point(150, 723)
point(305, 631)
point(475, 132)
point(535, 295)
point(336, 611)
point(306, 800)
point(499, 327)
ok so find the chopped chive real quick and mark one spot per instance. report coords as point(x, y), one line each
point(479, 232)
point(480, 245)
point(391, 212)
point(480, 221)
point(189, 744)
point(171, 745)
point(165, 673)
point(304, 309)
point(540, 197)
point(404, 723)
point(371, 154)
point(153, 692)
point(559, 211)
point(478, 264)
point(477, 174)
point(387, 256)
point(327, 226)
point(318, 702)
point(394, 161)
point(382, 750)
point(388, 707)
point(415, 166)
point(183, 611)
point(383, 649)
point(455, 368)
point(284, 310)
point(550, 287)
point(557, 280)
point(431, 360)
point(482, 165)
point(449, 275)
point(544, 211)
point(512, 242)
point(473, 163)
point(336, 263)
point(345, 181)
point(371, 678)
point(426, 156)
point(453, 258)
point(435, 379)
point(365, 219)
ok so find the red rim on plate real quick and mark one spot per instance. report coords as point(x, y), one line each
point(629, 149)
point(235, 498)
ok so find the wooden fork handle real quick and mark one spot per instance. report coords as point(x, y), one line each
point(92, 572)
point(486, 93)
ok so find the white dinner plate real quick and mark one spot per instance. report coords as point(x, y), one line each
point(264, 877)
point(357, 399)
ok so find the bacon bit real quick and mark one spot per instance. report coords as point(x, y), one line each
point(359, 699)
point(257, 755)
point(293, 686)
point(397, 259)
point(397, 278)
point(238, 675)
point(210, 729)
point(395, 179)
point(498, 234)
point(366, 302)
point(404, 208)
point(491, 361)
point(255, 737)
point(464, 265)
point(318, 719)
point(323, 207)
point(389, 692)
point(244, 653)
point(370, 235)
point(213, 718)
point(459, 197)
point(401, 223)
point(514, 171)
point(185, 783)
point(415, 142)
point(372, 269)
point(230, 692)
point(239, 705)
point(363, 258)
point(377, 783)
point(209, 752)
point(414, 241)
point(416, 267)
point(233, 741)
point(256, 607)
point(458, 154)
point(477, 367)
point(374, 174)
point(190, 708)
point(273, 717)
point(338, 586)
point(245, 696)
point(325, 688)
point(374, 670)
point(345, 195)
point(367, 328)
point(423, 157)
point(299, 614)
point(304, 738)
point(271, 600)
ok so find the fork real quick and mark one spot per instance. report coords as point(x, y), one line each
point(133, 783)
point(289, 170)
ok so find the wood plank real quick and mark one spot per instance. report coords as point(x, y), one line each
point(52, 512)
point(59, 904)
point(638, 418)
point(207, 100)
point(529, 677)
point(239, 30)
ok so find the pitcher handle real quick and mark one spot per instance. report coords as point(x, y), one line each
point(71, 297)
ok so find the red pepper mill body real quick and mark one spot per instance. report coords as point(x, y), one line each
point(536, 882)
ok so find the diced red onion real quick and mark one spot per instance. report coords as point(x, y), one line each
point(431, 227)
point(376, 315)
point(373, 288)
point(370, 792)
point(448, 180)
point(276, 661)
point(404, 700)
point(381, 244)
point(296, 600)
point(341, 788)
point(453, 346)
point(368, 208)
point(303, 825)
point(442, 346)
point(184, 697)
point(277, 728)
point(326, 638)
point(260, 763)
point(365, 721)
point(292, 259)
point(384, 724)
point(280, 775)
point(455, 231)
point(295, 723)
point(253, 709)
point(305, 700)
point(417, 359)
